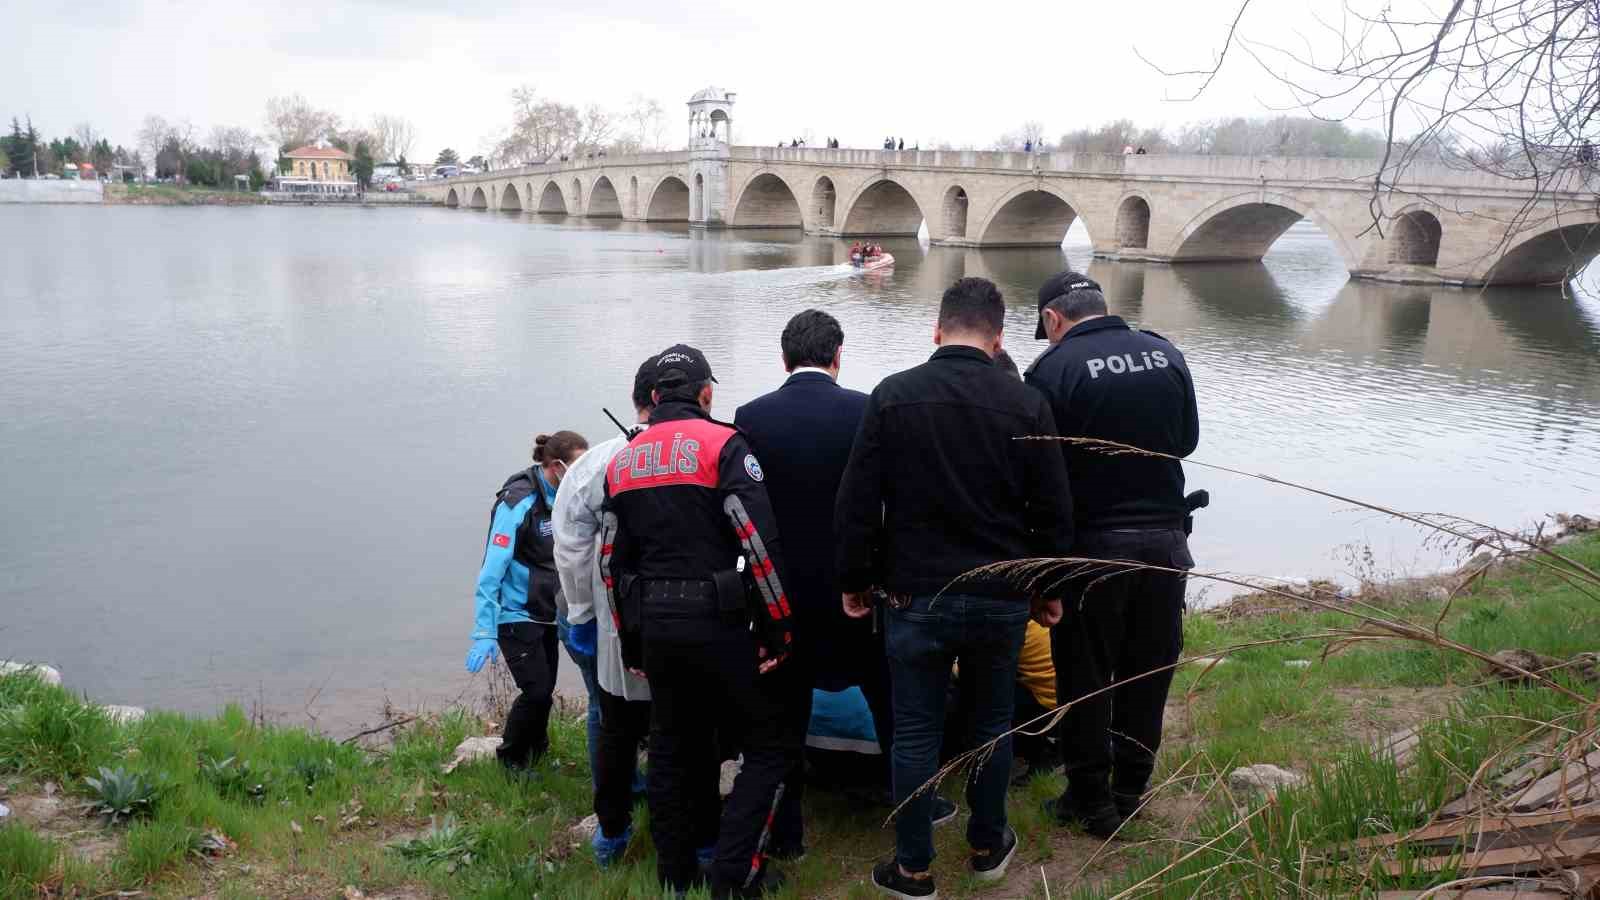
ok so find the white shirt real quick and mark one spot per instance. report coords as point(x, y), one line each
point(798, 369)
point(575, 521)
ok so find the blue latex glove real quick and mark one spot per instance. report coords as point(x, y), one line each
point(482, 651)
point(582, 638)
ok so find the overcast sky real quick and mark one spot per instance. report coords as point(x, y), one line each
point(925, 71)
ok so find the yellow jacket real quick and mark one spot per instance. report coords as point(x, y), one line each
point(1035, 667)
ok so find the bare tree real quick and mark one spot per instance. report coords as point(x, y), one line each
point(85, 135)
point(647, 119)
point(540, 130)
point(1507, 86)
point(595, 128)
point(153, 135)
point(393, 137)
point(1031, 134)
point(293, 122)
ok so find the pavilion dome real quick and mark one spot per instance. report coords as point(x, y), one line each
point(714, 94)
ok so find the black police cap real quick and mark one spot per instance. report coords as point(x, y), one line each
point(681, 364)
point(1060, 285)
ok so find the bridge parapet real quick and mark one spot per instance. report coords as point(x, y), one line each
point(1437, 224)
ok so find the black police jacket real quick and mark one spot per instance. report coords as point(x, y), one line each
point(938, 483)
point(684, 500)
point(1107, 381)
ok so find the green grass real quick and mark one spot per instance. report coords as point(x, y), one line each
point(285, 796)
point(179, 195)
point(1256, 709)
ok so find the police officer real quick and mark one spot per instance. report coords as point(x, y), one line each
point(516, 595)
point(1108, 381)
point(691, 563)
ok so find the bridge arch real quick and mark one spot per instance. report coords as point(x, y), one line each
point(1414, 239)
point(451, 199)
point(479, 201)
point(669, 202)
point(1133, 222)
point(767, 201)
point(1553, 256)
point(883, 207)
point(510, 200)
point(552, 201)
point(1242, 228)
point(603, 202)
point(824, 203)
point(1031, 215)
point(953, 213)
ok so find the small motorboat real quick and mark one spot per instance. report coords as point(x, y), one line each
point(868, 263)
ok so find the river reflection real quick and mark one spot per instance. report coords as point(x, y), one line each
point(268, 438)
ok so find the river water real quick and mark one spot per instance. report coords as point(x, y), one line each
point(248, 453)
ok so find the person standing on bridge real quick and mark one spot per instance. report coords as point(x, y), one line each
point(1108, 381)
point(516, 595)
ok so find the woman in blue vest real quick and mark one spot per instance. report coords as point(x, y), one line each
point(516, 596)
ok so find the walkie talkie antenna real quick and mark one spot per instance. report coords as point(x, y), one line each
point(620, 427)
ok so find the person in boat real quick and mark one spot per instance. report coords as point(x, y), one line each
point(857, 252)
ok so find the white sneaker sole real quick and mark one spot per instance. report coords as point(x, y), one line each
point(998, 872)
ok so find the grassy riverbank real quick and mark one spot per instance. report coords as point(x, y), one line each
point(243, 809)
point(173, 195)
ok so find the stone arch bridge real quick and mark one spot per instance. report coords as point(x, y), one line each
point(1439, 225)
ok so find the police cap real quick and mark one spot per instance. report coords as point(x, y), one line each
point(681, 364)
point(1060, 285)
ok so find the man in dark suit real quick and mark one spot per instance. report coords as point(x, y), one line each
point(802, 433)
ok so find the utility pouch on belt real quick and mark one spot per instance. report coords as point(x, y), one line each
point(629, 603)
point(628, 600)
point(730, 594)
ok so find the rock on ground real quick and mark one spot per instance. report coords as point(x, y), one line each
point(46, 673)
point(124, 715)
point(586, 828)
point(1263, 778)
point(471, 750)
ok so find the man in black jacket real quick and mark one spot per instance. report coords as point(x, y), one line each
point(802, 434)
point(1109, 382)
point(938, 485)
point(684, 502)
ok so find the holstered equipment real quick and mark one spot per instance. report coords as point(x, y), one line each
point(732, 596)
point(1195, 500)
point(631, 632)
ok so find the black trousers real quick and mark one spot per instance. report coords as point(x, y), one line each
point(788, 829)
point(704, 688)
point(530, 653)
point(624, 728)
point(1114, 626)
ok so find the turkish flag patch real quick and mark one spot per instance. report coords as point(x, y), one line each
point(502, 540)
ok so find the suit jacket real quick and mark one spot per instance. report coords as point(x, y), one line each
point(802, 433)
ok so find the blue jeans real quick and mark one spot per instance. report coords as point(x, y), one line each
point(924, 640)
point(591, 684)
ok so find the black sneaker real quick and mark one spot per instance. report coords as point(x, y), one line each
point(886, 877)
point(990, 865)
point(944, 811)
point(1098, 819)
